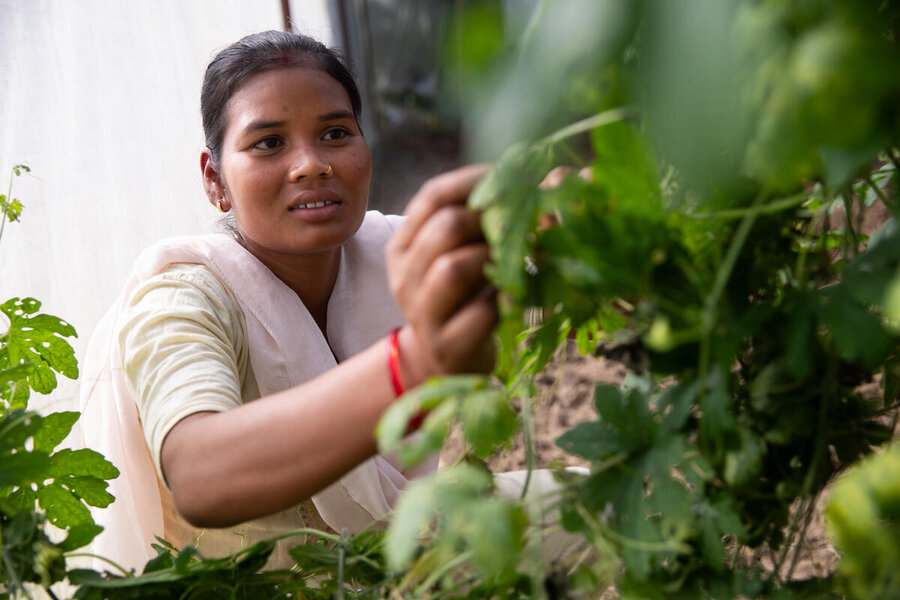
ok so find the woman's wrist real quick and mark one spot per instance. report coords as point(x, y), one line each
point(411, 365)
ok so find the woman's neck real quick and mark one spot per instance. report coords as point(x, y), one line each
point(311, 276)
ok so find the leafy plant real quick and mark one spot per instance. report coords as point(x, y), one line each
point(864, 520)
point(40, 485)
point(727, 136)
point(735, 149)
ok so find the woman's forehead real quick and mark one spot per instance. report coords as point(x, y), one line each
point(297, 91)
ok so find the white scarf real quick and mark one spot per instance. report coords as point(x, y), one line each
point(286, 349)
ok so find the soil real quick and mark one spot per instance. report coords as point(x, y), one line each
point(565, 397)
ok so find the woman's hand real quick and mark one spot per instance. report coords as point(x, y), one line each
point(436, 272)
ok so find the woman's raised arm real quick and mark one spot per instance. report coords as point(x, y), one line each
point(262, 457)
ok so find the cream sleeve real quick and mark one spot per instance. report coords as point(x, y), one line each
point(183, 349)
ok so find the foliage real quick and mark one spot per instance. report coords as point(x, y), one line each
point(40, 485)
point(864, 519)
point(727, 137)
point(734, 149)
point(11, 208)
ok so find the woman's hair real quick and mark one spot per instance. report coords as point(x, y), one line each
point(256, 53)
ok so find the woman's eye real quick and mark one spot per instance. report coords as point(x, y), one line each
point(335, 134)
point(268, 143)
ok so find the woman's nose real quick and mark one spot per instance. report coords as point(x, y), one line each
point(310, 164)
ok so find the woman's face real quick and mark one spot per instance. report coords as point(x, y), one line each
point(294, 166)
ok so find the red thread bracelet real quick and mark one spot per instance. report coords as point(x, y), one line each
point(393, 355)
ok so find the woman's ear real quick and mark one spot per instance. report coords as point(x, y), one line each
point(212, 182)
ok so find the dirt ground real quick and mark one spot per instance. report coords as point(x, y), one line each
point(566, 391)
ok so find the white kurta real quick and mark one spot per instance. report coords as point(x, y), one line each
point(285, 348)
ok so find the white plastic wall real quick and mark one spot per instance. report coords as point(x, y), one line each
point(101, 99)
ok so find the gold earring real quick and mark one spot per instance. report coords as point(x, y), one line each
point(328, 171)
point(219, 206)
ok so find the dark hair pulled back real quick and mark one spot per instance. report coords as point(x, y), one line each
point(255, 53)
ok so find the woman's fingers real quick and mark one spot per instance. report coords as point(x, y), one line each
point(466, 342)
point(446, 189)
point(459, 311)
point(452, 312)
point(449, 228)
point(555, 177)
point(452, 279)
point(436, 272)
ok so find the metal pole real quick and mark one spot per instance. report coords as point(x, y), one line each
point(286, 15)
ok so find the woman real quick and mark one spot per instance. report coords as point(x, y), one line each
point(259, 364)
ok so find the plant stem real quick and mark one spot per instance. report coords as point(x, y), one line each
point(810, 509)
point(879, 192)
point(528, 432)
point(12, 576)
point(8, 199)
point(818, 453)
point(724, 273)
point(854, 240)
point(607, 117)
point(711, 305)
point(306, 531)
point(601, 530)
point(437, 574)
point(342, 555)
point(119, 567)
point(772, 207)
point(800, 267)
point(890, 153)
point(534, 21)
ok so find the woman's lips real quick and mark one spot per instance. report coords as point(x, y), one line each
point(312, 199)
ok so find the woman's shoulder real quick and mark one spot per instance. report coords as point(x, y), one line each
point(182, 287)
point(377, 228)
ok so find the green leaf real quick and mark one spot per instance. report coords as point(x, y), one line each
point(863, 519)
point(16, 427)
point(507, 227)
point(394, 425)
point(489, 524)
point(450, 492)
point(23, 499)
point(487, 420)
point(40, 339)
point(16, 392)
point(430, 436)
point(624, 425)
point(412, 516)
point(11, 208)
point(62, 507)
point(641, 501)
point(314, 556)
point(82, 462)
point(79, 536)
point(675, 405)
point(184, 559)
point(744, 464)
point(858, 334)
point(23, 468)
point(15, 373)
point(90, 489)
point(716, 421)
point(541, 344)
point(55, 428)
